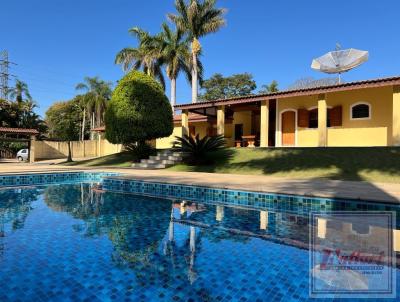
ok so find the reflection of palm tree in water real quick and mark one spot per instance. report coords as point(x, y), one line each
point(192, 243)
point(15, 205)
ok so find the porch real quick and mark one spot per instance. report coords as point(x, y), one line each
point(353, 114)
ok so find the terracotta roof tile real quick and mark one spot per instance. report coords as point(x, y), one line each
point(380, 82)
point(18, 131)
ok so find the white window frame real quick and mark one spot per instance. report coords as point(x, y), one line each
point(361, 118)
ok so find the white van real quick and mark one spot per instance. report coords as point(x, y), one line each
point(23, 155)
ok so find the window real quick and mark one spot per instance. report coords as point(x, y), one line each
point(360, 111)
point(313, 118)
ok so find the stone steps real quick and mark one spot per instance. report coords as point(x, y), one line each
point(162, 160)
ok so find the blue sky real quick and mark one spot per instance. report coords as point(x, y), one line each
point(56, 43)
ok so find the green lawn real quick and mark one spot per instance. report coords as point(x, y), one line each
point(123, 159)
point(370, 164)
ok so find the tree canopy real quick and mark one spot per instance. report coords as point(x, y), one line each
point(270, 88)
point(219, 87)
point(138, 110)
point(63, 119)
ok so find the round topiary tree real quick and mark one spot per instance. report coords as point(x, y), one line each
point(138, 111)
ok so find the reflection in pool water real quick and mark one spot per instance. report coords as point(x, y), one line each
point(72, 242)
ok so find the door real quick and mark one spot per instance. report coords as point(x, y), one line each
point(238, 132)
point(288, 128)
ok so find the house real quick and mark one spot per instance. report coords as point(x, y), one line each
point(363, 113)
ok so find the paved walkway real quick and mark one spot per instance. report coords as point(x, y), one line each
point(388, 192)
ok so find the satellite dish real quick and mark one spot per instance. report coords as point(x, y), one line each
point(340, 61)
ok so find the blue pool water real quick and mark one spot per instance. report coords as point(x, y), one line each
point(74, 242)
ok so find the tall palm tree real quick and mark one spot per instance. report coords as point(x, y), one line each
point(176, 56)
point(94, 102)
point(197, 18)
point(147, 56)
point(20, 89)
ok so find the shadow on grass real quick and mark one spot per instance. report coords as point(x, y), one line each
point(123, 159)
point(333, 163)
point(213, 161)
point(312, 166)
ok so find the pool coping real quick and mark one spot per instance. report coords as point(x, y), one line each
point(317, 188)
point(354, 191)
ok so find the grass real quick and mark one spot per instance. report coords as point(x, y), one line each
point(378, 164)
point(123, 159)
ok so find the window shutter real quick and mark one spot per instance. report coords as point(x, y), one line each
point(302, 118)
point(335, 116)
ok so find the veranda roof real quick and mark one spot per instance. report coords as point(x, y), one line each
point(380, 82)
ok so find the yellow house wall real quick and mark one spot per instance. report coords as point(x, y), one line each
point(305, 137)
point(166, 142)
point(243, 117)
point(372, 132)
point(376, 131)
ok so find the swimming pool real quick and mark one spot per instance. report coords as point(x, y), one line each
point(71, 240)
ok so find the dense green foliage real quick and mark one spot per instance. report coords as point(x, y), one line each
point(94, 102)
point(140, 151)
point(220, 87)
point(63, 119)
point(19, 113)
point(138, 111)
point(197, 149)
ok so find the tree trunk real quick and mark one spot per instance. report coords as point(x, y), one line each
point(173, 94)
point(92, 126)
point(83, 124)
point(194, 77)
point(69, 159)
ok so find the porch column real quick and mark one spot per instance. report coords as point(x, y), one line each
point(322, 120)
point(32, 149)
point(396, 116)
point(221, 120)
point(185, 122)
point(264, 121)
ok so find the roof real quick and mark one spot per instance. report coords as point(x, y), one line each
point(380, 82)
point(193, 117)
point(18, 131)
point(99, 129)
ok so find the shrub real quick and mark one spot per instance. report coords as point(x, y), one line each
point(138, 111)
point(140, 150)
point(197, 150)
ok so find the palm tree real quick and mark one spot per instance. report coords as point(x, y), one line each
point(147, 56)
point(197, 18)
point(94, 102)
point(20, 89)
point(272, 87)
point(176, 56)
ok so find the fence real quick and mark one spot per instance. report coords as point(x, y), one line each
point(79, 149)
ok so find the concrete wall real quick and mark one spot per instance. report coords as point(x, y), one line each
point(79, 149)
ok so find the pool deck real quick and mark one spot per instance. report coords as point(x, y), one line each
point(383, 192)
